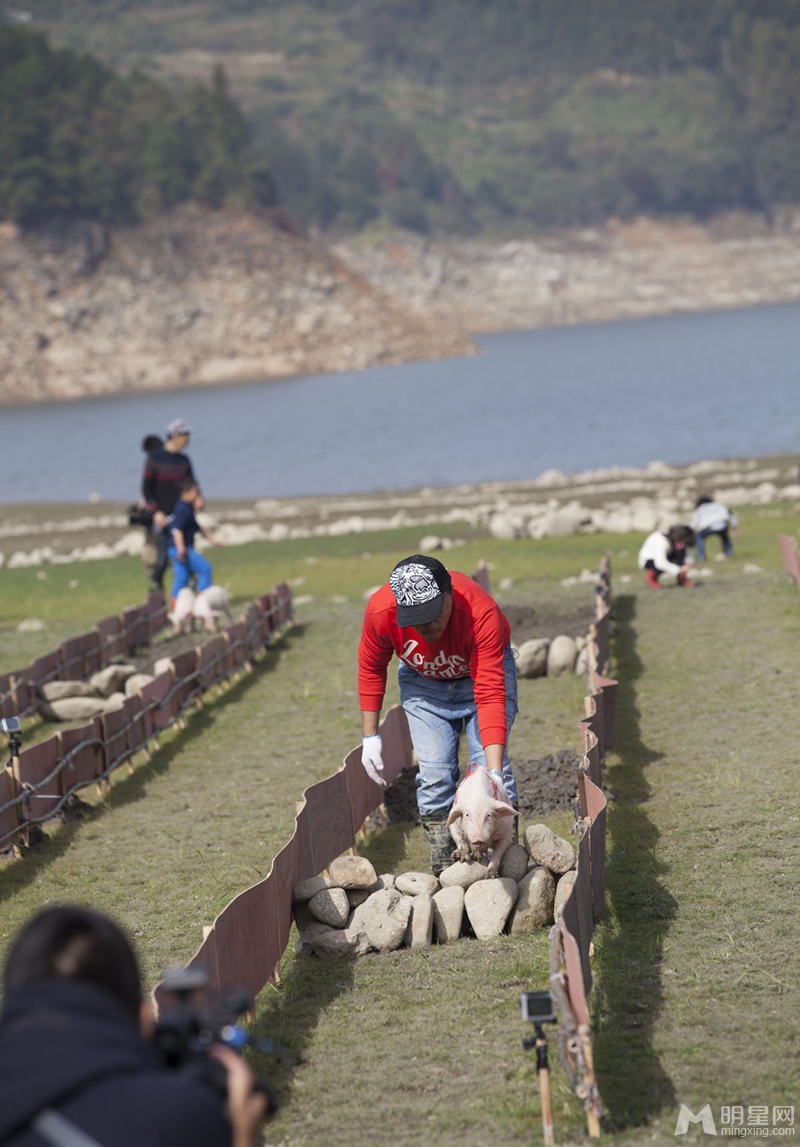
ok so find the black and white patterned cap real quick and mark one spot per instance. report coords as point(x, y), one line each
point(418, 584)
point(178, 426)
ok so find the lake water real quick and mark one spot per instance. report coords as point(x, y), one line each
point(678, 389)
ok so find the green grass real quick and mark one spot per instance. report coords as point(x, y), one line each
point(695, 969)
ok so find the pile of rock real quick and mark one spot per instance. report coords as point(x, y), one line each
point(349, 910)
point(82, 700)
point(541, 657)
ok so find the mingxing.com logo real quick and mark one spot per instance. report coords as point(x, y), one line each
point(739, 1121)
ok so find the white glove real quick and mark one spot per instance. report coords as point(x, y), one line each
point(372, 759)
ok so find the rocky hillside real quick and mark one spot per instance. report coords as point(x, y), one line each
point(617, 271)
point(197, 296)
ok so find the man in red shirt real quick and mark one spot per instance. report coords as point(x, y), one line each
point(456, 671)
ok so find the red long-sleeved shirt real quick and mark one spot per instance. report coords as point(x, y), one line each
point(472, 645)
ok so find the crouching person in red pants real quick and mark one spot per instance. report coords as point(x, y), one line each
point(665, 552)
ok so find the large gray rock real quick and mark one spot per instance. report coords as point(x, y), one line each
point(419, 932)
point(308, 888)
point(334, 944)
point(384, 918)
point(488, 905)
point(561, 656)
point(532, 660)
point(563, 890)
point(352, 872)
point(305, 945)
point(111, 679)
point(448, 913)
point(136, 683)
point(417, 883)
point(162, 665)
point(58, 690)
point(535, 898)
point(331, 906)
point(73, 708)
point(387, 880)
point(463, 873)
point(544, 847)
point(115, 701)
point(514, 864)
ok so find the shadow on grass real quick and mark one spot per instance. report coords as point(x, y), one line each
point(133, 787)
point(628, 992)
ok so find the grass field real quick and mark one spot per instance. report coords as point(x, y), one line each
point(695, 966)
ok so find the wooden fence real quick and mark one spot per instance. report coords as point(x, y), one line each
point(35, 785)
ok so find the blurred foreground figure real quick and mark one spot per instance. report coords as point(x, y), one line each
point(76, 1069)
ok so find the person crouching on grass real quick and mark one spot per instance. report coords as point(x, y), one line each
point(184, 527)
point(665, 552)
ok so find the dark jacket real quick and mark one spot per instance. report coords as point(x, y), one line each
point(68, 1045)
point(163, 474)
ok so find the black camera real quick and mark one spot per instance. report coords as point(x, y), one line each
point(10, 725)
point(139, 517)
point(184, 1036)
point(538, 1007)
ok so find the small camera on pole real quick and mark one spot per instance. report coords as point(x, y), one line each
point(12, 728)
point(539, 1008)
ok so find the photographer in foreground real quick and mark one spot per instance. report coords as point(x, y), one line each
point(76, 1068)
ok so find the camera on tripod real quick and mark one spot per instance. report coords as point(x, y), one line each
point(183, 1036)
point(12, 727)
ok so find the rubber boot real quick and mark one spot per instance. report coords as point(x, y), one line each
point(683, 579)
point(440, 842)
point(651, 579)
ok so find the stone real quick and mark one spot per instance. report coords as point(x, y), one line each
point(308, 888)
point(419, 932)
point(302, 916)
point(580, 642)
point(561, 656)
point(751, 568)
point(59, 690)
point(448, 913)
point(514, 864)
point(463, 873)
point(162, 665)
point(488, 905)
point(387, 880)
point(563, 890)
point(430, 543)
point(417, 883)
point(582, 662)
point(111, 679)
point(115, 701)
point(305, 944)
point(544, 847)
point(384, 918)
point(359, 940)
point(330, 906)
point(532, 660)
point(73, 709)
point(136, 683)
point(334, 944)
point(352, 872)
point(535, 897)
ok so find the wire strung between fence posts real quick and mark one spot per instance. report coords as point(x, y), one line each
point(29, 792)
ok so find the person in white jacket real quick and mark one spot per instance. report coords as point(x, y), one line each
point(712, 517)
point(665, 552)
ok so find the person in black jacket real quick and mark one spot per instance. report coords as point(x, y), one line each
point(165, 471)
point(74, 1066)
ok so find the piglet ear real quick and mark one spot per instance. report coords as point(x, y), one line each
point(455, 813)
point(503, 809)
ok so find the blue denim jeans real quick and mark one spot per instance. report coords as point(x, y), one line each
point(195, 564)
point(724, 537)
point(437, 711)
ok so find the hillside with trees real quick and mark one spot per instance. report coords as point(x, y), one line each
point(465, 116)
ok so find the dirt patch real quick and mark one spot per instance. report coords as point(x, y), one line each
point(527, 622)
point(166, 646)
point(547, 784)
